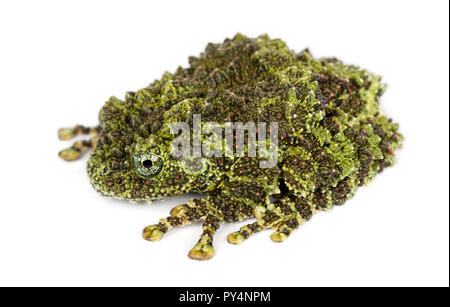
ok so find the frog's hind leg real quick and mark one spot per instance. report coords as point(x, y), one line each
point(193, 211)
point(77, 149)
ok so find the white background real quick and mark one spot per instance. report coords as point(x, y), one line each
point(59, 62)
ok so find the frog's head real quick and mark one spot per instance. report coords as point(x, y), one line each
point(131, 163)
point(144, 172)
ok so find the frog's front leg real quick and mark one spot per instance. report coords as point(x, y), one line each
point(181, 215)
point(194, 210)
point(213, 210)
point(283, 215)
point(204, 250)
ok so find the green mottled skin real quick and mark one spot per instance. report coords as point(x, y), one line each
point(333, 138)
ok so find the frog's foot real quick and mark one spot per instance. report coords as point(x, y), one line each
point(65, 134)
point(193, 211)
point(180, 215)
point(284, 216)
point(77, 149)
point(204, 250)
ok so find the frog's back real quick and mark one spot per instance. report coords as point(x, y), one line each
point(339, 139)
point(333, 137)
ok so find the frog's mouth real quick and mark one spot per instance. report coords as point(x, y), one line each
point(133, 200)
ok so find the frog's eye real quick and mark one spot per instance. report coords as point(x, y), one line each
point(148, 165)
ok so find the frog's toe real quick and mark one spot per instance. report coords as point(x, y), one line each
point(179, 210)
point(179, 216)
point(153, 233)
point(279, 236)
point(235, 238)
point(65, 134)
point(70, 154)
point(77, 149)
point(202, 251)
point(244, 233)
point(285, 228)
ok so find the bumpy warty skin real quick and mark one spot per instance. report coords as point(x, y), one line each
point(332, 135)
